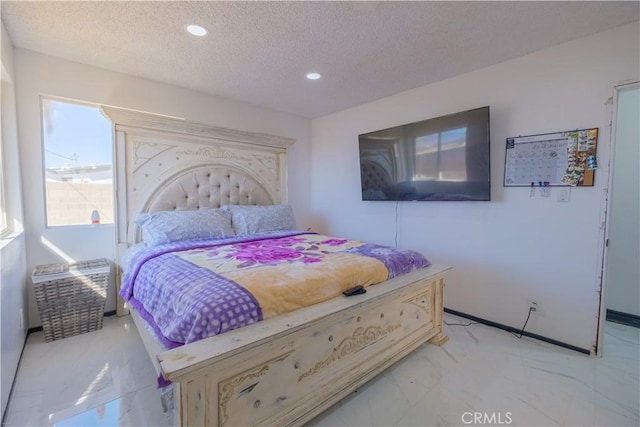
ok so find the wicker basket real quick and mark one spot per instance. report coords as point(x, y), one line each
point(71, 297)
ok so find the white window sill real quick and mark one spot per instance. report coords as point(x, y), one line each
point(80, 226)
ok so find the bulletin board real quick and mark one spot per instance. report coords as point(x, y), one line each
point(553, 159)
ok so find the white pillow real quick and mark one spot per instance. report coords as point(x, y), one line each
point(249, 219)
point(170, 226)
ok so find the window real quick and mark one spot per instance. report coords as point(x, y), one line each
point(78, 163)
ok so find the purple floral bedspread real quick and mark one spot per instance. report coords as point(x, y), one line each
point(186, 292)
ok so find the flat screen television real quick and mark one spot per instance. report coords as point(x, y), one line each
point(440, 159)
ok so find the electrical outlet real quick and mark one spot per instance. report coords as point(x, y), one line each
point(21, 314)
point(533, 306)
point(564, 194)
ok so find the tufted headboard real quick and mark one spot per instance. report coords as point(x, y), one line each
point(166, 163)
point(208, 187)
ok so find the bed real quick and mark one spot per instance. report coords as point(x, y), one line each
point(289, 367)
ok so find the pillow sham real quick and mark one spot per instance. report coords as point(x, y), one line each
point(170, 226)
point(251, 219)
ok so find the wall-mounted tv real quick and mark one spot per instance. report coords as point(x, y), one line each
point(440, 159)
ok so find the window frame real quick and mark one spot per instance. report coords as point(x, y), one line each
point(43, 167)
point(6, 226)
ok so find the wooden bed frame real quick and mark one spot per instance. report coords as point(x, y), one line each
point(284, 370)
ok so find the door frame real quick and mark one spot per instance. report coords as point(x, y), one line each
point(605, 228)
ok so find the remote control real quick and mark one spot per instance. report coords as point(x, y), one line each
point(356, 290)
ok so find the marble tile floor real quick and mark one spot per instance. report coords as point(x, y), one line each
point(104, 378)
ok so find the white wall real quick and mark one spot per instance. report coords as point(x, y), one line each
point(13, 280)
point(514, 248)
point(623, 270)
point(44, 75)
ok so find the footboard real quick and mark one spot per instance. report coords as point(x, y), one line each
point(286, 370)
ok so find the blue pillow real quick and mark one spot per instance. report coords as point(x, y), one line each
point(170, 226)
point(250, 219)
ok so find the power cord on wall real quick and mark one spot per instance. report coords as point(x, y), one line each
point(525, 324)
point(396, 236)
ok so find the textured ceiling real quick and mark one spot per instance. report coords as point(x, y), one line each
point(260, 52)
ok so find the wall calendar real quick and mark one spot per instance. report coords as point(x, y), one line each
point(552, 159)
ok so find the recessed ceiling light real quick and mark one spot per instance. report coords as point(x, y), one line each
point(197, 30)
point(313, 76)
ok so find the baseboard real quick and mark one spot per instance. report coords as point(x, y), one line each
point(623, 318)
point(517, 331)
point(34, 329)
point(13, 383)
point(39, 328)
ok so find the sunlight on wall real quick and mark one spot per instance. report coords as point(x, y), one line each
point(56, 250)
